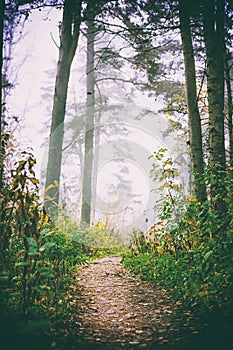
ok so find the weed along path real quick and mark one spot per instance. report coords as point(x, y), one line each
point(113, 309)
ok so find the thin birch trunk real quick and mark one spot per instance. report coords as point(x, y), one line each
point(89, 125)
point(229, 110)
point(213, 20)
point(2, 12)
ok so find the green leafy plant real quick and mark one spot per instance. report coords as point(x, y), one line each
point(37, 260)
point(192, 259)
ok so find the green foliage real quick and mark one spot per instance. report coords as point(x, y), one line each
point(172, 202)
point(200, 278)
point(39, 258)
point(138, 242)
point(95, 241)
point(176, 104)
point(194, 258)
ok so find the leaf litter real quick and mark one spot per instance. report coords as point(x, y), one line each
point(114, 309)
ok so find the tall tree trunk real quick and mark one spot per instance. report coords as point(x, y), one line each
point(96, 159)
point(229, 108)
point(89, 124)
point(2, 12)
point(193, 111)
point(68, 44)
point(213, 20)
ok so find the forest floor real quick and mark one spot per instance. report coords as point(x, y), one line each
point(114, 309)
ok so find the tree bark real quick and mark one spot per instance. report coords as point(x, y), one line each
point(229, 109)
point(213, 20)
point(68, 45)
point(2, 12)
point(89, 124)
point(191, 95)
point(96, 154)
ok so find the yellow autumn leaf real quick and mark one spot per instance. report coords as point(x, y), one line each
point(159, 249)
point(34, 181)
point(47, 219)
point(203, 293)
point(192, 198)
point(100, 225)
point(49, 188)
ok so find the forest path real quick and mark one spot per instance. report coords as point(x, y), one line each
point(113, 309)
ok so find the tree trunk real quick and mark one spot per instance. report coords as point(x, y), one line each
point(229, 108)
point(89, 125)
point(96, 162)
point(213, 20)
point(2, 12)
point(191, 94)
point(68, 44)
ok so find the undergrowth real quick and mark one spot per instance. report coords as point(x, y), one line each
point(200, 279)
point(192, 256)
point(39, 258)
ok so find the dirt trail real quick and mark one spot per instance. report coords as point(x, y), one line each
point(111, 306)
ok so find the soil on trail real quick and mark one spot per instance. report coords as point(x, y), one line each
point(113, 309)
